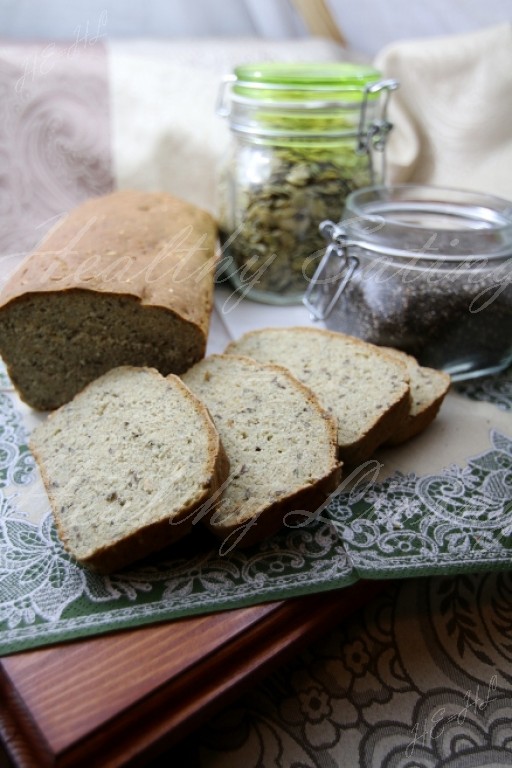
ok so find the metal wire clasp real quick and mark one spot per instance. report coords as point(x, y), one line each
point(222, 105)
point(331, 277)
point(375, 135)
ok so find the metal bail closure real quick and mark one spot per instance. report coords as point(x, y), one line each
point(335, 270)
point(376, 133)
point(222, 104)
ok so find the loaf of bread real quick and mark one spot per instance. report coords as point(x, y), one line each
point(127, 465)
point(364, 388)
point(281, 446)
point(428, 390)
point(124, 279)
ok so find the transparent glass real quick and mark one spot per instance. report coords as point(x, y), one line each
point(300, 145)
point(430, 273)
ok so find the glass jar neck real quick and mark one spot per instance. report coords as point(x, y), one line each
point(433, 224)
point(320, 121)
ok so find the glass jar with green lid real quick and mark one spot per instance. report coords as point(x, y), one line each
point(304, 137)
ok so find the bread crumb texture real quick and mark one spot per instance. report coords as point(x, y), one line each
point(429, 387)
point(366, 390)
point(128, 456)
point(280, 442)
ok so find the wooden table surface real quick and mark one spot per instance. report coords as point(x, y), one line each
point(123, 698)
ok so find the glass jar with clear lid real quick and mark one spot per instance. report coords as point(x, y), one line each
point(423, 269)
point(303, 137)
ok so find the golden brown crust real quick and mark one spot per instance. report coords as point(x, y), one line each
point(153, 537)
point(415, 425)
point(422, 411)
point(256, 529)
point(380, 430)
point(124, 279)
point(149, 245)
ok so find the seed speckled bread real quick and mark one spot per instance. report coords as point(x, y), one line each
point(127, 464)
point(281, 445)
point(428, 390)
point(365, 389)
point(124, 279)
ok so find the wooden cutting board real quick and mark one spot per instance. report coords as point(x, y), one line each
point(129, 696)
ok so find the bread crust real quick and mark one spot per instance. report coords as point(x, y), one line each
point(421, 412)
point(384, 426)
point(159, 534)
point(151, 251)
point(149, 245)
point(254, 528)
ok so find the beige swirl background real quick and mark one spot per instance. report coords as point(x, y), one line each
point(54, 138)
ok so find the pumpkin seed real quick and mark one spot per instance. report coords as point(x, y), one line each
point(277, 214)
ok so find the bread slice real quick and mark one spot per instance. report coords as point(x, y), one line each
point(365, 389)
point(428, 390)
point(126, 465)
point(281, 445)
point(124, 279)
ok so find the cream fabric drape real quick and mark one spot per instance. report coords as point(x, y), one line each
point(165, 133)
point(452, 110)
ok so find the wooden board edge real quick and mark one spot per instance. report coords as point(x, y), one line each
point(171, 713)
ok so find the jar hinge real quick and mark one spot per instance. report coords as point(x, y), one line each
point(375, 135)
point(223, 105)
point(318, 297)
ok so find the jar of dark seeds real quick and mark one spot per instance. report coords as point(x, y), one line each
point(423, 269)
point(304, 136)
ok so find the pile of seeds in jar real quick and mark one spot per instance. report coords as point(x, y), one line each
point(277, 244)
point(446, 317)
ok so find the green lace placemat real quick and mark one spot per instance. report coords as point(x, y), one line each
point(454, 520)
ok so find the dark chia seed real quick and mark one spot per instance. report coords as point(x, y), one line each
point(456, 317)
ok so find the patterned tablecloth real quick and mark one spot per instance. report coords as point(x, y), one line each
point(420, 678)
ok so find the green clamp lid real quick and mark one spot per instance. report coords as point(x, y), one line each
point(305, 81)
point(306, 99)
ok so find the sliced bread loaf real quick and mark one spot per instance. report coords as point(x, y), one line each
point(428, 390)
point(124, 279)
point(126, 464)
point(281, 445)
point(364, 388)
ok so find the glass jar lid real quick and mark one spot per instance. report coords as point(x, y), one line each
point(306, 81)
point(327, 100)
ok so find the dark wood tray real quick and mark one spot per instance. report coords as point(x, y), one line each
point(126, 697)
